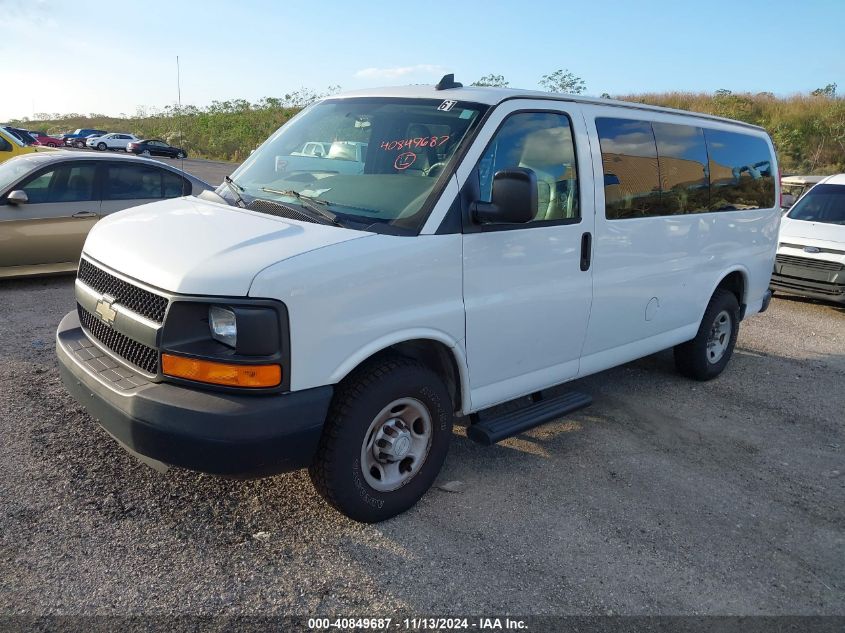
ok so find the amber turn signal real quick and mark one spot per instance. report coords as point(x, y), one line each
point(221, 373)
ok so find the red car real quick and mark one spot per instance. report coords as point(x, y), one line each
point(42, 139)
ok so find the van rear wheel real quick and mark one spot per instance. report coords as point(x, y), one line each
point(385, 439)
point(707, 355)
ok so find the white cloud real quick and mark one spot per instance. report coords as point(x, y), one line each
point(400, 71)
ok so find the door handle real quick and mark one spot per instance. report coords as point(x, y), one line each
point(586, 250)
point(84, 214)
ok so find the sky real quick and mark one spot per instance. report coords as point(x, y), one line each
point(114, 56)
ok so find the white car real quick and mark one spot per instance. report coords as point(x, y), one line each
point(115, 140)
point(811, 250)
point(494, 244)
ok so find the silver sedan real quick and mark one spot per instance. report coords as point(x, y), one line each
point(49, 202)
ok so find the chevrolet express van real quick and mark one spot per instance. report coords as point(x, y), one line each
point(495, 243)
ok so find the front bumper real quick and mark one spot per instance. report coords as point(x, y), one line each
point(815, 278)
point(214, 432)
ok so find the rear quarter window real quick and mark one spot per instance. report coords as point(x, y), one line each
point(741, 169)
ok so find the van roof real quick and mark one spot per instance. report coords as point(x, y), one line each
point(494, 96)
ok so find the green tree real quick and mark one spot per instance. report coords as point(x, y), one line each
point(562, 80)
point(828, 91)
point(492, 81)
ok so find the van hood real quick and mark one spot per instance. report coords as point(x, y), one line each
point(193, 246)
point(818, 231)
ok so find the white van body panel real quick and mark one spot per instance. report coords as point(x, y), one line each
point(653, 277)
point(193, 246)
point(347, 302)
point(527, 301)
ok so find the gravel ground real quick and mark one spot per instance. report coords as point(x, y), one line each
point(664, 497)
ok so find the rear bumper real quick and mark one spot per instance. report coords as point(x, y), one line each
point(213, 432)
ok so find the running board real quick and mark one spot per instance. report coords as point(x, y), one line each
point(497, 428)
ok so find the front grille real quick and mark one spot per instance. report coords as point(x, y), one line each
point(800, 247)
point(145, 303)
point(806, 262)
point(140, 355)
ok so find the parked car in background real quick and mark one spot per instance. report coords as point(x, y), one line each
point(49, 202)
point(22, 135)
point(155, 147)
point(313, 148)
point(11, 146)
point(78, 137)
point(793, 187)
point(810, 259)
point(44, 139)
point(341, 157)
point(115, 140)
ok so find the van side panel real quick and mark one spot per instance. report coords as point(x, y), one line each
point(653, 276)
point(349, 302)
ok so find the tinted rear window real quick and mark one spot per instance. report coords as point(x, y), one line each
point(631, 179)
point(657, 169)
point(740, 171)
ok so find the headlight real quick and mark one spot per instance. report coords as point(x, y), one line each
point(223, 325)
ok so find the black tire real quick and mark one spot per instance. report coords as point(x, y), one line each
point(102, 147)
point(693, 358)
point(181, 155)
point(336, 470)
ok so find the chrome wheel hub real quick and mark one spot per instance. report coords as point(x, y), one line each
point(719, 338)
point(396, 444)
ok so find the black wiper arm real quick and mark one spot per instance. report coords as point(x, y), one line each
point(235, 188)
point(308, 203)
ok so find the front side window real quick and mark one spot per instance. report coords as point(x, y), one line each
point(631, 178)
point(66, 183)
point(823, 203)
point(5, 146)
point(382, 158)
point(541, 142)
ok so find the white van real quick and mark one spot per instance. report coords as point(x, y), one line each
point(495, 243)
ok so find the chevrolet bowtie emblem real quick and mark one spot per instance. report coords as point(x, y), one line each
point(105, 311)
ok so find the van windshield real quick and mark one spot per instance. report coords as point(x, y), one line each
point(823, 203)
point(369, 161)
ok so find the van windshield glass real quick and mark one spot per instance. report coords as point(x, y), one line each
point(823, 203)
point(369, 161)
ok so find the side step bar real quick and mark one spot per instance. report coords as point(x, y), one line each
point(494, 429)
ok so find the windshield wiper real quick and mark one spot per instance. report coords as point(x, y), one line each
point(309, 203)
point(235, 188)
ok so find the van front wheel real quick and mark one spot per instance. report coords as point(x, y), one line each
point(385, 439)
point(705, 356)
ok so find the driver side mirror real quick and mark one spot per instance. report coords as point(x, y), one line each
point(17, 197)
point(514, 199)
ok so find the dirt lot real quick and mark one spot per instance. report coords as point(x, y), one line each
point(666, 496)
